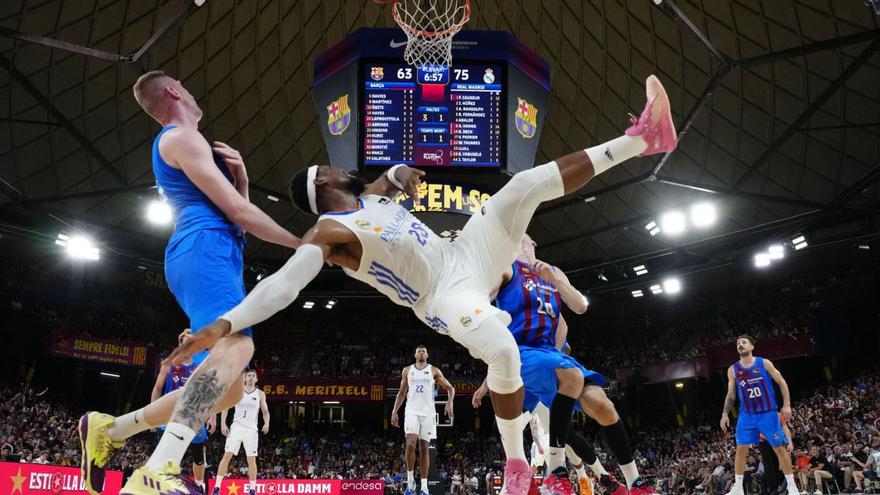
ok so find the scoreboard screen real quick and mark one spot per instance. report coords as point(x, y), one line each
point(432, 116)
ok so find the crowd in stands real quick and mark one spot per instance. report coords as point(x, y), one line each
point(831, 427)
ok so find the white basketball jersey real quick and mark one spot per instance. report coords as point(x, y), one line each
point(402, 258)
point(246, 410)
point(420, 396)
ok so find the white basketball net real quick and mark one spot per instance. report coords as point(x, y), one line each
point(429, 26)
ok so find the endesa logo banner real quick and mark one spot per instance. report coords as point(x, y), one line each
point(44, 479)
point(303, 487)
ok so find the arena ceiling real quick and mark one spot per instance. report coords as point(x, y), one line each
point(780, 101)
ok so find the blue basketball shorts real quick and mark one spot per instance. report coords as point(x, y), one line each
point(538, 372)
point(749, 427)
point(204, 272)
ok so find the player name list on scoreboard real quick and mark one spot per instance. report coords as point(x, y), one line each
point(453, 124)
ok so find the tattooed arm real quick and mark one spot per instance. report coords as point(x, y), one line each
point(728, 399)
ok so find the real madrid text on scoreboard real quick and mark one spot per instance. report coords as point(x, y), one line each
point(433, 116)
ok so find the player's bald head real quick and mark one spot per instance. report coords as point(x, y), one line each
point(149, 91)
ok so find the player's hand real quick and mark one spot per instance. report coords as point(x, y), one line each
point(725, 423)
point(395, 421)
point(410, 178)
point(224, 430)
point(790, 447)
point(547, 272)
point(786, 413)
point(478, 396)
point(265, 428)
point(449, 413)
point(197, 342)
point(232, 159)
point(211, 424)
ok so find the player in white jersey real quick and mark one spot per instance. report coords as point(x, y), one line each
point(420, 420)
point(447, 285)
point(244, 431)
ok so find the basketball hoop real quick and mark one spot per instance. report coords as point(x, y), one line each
point(429, 26)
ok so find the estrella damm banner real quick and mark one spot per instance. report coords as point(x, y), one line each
point(448, 198)
point(315, 389)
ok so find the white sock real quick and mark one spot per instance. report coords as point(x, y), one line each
point(128, 425)
point(201, 484)
point(410, 480)
point(253, 485)
point(582, 471)
point(424, 484)
point(172, 446)
point(219, 481)
point(615, 152)
point(738, 480)
point(598, 468)
point(511, 431)
point(791, 486)
point(630, 472)
point(555, 458)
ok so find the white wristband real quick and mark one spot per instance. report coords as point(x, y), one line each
point(390, 174)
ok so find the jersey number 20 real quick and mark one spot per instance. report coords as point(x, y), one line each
point(545, 308)
point(754, 393)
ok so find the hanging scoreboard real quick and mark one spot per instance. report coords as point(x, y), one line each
point(432, 116)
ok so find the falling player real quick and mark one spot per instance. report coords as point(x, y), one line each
point(750, 379)
point(169, 379)
point(448, 285)
point(420, 419)
point(244, 431)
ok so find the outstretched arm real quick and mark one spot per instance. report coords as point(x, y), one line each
point(783, 386)
point(324, 241)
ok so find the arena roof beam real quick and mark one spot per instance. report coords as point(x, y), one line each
point(809, 48)
point(56, 114)
point(742, 194)
point(858, 186)
point(671, 9)
point(63, 45)
point(810, 110)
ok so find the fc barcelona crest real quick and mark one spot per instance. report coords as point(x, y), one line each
point(377, 73)
point(339, 115)
point(526, 118)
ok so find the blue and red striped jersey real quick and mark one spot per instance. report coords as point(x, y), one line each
point(534, 305)
point(754, 387)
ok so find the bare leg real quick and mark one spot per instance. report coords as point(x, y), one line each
point(424, 463)
point(252, 471)
point(410, 451)
point(201, 396)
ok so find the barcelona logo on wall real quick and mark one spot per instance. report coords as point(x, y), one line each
point(526, 118)
point(339, 115)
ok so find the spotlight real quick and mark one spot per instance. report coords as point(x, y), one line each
point(866, 247)
point(640, 270)
point(673, 222)
point(799, 242)
point(652, 228)
point(703, 214)
point(308, 304)
point(109, 375)
point(672, 286)
point(679, 385)
point(602, 276)
point(776, 252)
point(259, 276)
point(330, 304)
point(331, 402)
point(79, 247)
point(638, 293)
point(272, 198)
point(656, 289)
point(159, 212)
point(762, 260)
